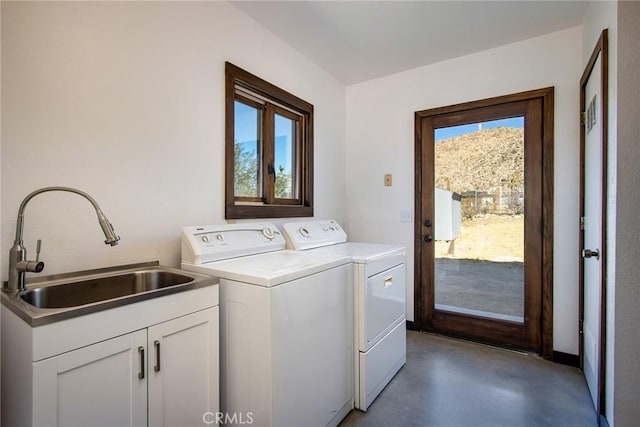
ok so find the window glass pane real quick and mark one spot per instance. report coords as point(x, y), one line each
point(285, 157)
point(479, 219)
point(247, 151)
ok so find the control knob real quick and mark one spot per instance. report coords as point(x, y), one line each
point(268, 233)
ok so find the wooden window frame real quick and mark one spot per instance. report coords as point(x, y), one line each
point(283, 103)
point(258, 106)
point(295, 170)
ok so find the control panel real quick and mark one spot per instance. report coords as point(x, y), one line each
point(203, 244)
point(313, 234)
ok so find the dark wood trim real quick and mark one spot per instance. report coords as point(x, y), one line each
point(418, 269)
point(250, 102)
point(270, 206)
point(548, 111)
point(508, 106)
point(572, 360)
point(602, 49)
point(286, 113)
point(534, 248)
point(411, 326)
point(488, 102)
point(260, 109)
point(266, 89)
point(268, 211)
point(229, 154)
point(268, 126)
point(295, 173)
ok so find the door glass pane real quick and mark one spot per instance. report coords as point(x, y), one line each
point(479, 219)
point(285, 156)
point(247, 151)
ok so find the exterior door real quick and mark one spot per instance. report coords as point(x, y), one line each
point(483, 202)
point(593, 186)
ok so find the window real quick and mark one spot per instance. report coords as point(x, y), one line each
point(269, 149)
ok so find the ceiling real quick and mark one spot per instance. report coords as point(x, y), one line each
point(361, 40)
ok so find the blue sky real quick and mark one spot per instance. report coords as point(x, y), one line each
point(444, 133)
point(246, 121)
point(246, 130)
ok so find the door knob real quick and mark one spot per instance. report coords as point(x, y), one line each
point(428, 238)
point(588, 253)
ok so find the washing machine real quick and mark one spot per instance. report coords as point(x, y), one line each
point(379, 273)
point(286, 325)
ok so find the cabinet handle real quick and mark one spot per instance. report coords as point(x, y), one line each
point(156, 344)
point(388, 281)
point(141, 353)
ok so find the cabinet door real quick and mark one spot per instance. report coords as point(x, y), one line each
point(97, 385)
point(183, 370)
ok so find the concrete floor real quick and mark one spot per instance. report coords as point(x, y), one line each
point(448, 382)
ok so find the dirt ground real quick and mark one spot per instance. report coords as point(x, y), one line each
point(485, 271)
point(487, 237)
point(481, 286)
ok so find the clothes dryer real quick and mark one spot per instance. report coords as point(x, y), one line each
point(379, 274)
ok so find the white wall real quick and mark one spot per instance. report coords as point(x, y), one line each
point(380, 139)
point(125, 100)
point(627, 295)
point(600, 16)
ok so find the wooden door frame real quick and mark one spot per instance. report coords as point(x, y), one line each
point(601, 49)
point(546, 95)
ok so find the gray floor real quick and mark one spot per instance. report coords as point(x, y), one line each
point(454, 383)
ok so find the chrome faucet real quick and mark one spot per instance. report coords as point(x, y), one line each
point(18, 263)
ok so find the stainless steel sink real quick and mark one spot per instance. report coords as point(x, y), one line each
point(54, 298)
point(102, 288)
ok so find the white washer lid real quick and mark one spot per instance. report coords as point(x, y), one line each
point(271, 269)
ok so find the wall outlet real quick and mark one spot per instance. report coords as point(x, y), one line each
point(406, 216)
point(388, 180)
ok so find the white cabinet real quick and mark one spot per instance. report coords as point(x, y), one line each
point(153, 363)
point(183, 370)
point(107, 384)
point(95, 386)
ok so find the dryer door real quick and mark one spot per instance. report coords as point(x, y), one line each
point(384, 303)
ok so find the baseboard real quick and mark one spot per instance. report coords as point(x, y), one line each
point(566, 359)
point(558, 356)
point(603, 421)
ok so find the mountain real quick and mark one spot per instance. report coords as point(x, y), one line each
point(481, 160)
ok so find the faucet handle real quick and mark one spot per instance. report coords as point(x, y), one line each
point(38, 247)
point(33, 266)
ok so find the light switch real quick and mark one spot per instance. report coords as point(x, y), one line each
point(387, 180)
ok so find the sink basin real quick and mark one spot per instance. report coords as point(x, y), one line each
point(102, 288)
point(57, 297)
